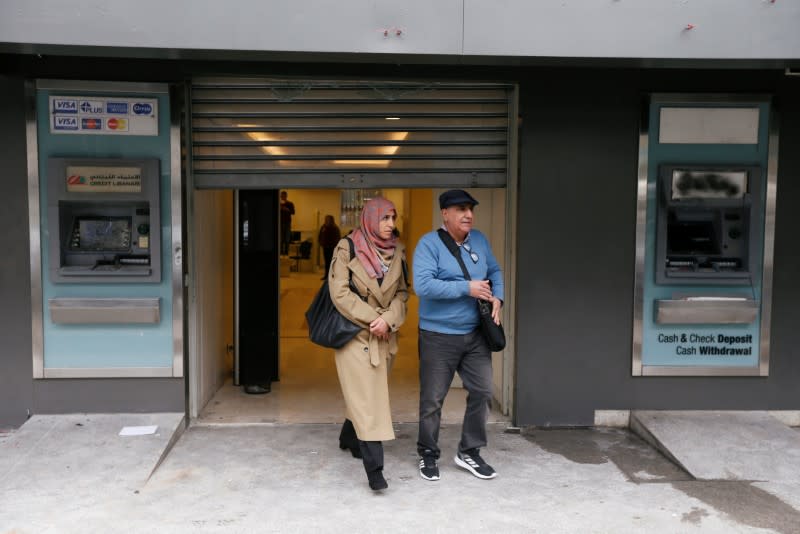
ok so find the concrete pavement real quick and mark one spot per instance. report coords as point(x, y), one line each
point(724, 445)
point(294, 478)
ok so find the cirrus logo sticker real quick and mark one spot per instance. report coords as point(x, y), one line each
point(142, 108)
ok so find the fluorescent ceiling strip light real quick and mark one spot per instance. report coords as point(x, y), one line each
point(278, 151)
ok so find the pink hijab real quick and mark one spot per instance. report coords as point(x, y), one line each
point(367, 241)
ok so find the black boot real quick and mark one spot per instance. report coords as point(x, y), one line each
point(376, 480)
point(372, 451)
point(348, 439)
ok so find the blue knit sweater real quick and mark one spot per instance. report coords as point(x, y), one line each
point(444, 302)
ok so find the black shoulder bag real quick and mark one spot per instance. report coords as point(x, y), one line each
point(326, 326)
point(493, 332)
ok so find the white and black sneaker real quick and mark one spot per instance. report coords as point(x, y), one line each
point(471, 461)
point(428, 469)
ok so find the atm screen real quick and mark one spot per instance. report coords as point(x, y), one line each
point(687, 184)
point(101, 234)
point(692, 238)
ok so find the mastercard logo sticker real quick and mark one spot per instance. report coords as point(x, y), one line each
point(117, 124)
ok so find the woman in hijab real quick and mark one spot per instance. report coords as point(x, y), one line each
point(378, 304)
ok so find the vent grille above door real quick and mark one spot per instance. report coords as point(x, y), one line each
point(264, 133)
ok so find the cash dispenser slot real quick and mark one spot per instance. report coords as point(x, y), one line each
point(66, 310)
point(706, 310)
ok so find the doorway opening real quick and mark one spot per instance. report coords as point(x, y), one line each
point(307, 389)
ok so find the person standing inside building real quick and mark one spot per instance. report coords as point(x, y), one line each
point(287, 210)
point(329, 236)
point(450, 339)
point(376, 299)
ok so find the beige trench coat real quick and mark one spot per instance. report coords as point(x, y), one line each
point(363, 364)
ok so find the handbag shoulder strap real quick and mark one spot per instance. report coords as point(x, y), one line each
point(349, 273)
point(451, 245)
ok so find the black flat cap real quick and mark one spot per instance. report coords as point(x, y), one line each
point(454, 197)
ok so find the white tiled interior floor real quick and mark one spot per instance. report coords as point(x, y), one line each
point(308, 390)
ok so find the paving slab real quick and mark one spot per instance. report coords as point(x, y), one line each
point(68, 453)
point(724, 445)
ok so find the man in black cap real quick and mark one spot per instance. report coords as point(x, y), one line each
point(450, 338)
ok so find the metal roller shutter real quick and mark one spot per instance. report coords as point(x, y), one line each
point(264, 133)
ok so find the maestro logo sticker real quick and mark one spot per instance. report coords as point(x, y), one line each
point(91, 124)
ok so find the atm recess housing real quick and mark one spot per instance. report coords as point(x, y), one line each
point(707, 231)
point(104, 233)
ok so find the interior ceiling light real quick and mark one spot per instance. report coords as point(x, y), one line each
point(263, 137)
point(392, 118)
point(272, 150)
point(388, 150)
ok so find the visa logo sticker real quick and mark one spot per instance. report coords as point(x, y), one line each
point(91, 124)
point(117, 108)
point(65, 123)
point(65, 106)
point(91, 107)
point(142, 108)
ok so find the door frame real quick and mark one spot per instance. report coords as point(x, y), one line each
point(507, 402)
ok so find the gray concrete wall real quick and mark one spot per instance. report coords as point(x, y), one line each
point(577, 219)
point(720, 29)
point(16, 368)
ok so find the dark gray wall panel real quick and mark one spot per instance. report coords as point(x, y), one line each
point(107, 395)
point(16, 389)
point(576, 229)
point(786, 289)
point(577, 203)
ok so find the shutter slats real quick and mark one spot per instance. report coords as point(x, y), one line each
point(453, 134)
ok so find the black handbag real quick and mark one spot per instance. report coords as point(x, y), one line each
point(493, 332)
point(326, 326)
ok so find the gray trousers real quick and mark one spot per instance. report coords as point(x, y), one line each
point(440, 357)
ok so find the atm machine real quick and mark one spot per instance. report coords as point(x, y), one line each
point(103, 221)
point(704, 234)
point(707, 235)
